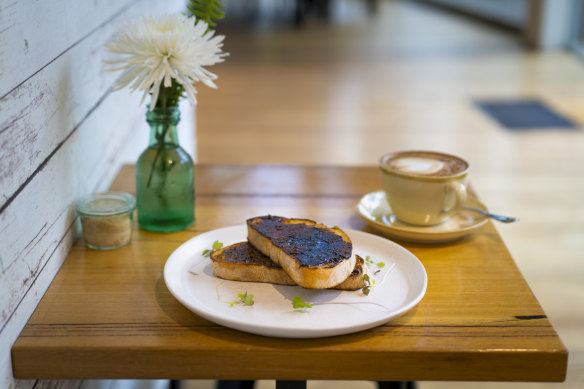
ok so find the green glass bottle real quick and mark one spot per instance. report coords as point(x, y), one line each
point(165, 195)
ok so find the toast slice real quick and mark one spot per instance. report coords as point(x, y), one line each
point(243, 262)
point(313, 255)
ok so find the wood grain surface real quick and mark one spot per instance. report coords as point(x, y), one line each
point(108, 314)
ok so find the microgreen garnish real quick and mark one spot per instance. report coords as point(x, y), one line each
point(369, 284)
point(244, 298)
point(336, 227)
point(302, 305)
point(216, 246)
point(298, 303)
point(370, 261)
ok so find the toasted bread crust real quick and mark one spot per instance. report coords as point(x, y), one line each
point(242, 262)
point(313, 255)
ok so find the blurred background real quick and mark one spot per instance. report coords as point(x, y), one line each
point(342, 82)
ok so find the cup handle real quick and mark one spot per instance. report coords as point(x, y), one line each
point(459, 190)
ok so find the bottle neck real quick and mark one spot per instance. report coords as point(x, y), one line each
point(163, 122)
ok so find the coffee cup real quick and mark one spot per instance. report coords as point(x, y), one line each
point(424, 187)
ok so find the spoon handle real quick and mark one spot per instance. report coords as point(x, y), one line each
point(503, 219)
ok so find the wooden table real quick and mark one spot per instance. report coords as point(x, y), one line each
point(109, 314)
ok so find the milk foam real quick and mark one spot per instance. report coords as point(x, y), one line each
point(417, 165)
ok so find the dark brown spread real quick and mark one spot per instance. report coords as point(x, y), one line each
point(309, 245)
point(246, 254)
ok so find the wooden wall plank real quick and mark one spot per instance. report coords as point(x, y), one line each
point(35, 33)
point(20, 316)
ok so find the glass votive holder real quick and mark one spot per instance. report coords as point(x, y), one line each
point(106, 219)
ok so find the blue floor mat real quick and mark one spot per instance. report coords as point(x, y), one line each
point(525, 115)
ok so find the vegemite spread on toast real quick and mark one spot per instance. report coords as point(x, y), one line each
point(246, 254)
point(310, 245)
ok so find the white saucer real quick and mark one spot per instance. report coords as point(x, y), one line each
point(373, 208)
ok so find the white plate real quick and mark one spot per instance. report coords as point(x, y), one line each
point(399, 286)
point(374, 209)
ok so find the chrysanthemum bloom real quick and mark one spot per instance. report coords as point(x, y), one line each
point(154, 52)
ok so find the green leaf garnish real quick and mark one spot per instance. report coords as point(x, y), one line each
point(369, 284)
point(298, 303)
point(371, 261)
point(216, 246)
point(244, 298)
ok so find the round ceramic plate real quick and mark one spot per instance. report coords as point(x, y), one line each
point(399, 285)
point(374, 209)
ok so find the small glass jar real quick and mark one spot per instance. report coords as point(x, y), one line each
point(106, 219)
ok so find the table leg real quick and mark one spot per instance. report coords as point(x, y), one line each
point(283, 384)
point(234, 384)
point(396, 384)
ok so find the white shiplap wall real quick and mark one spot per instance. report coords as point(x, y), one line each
point(62, 135)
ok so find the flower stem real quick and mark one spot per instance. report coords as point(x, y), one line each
point(158, 152)
point(170, 96)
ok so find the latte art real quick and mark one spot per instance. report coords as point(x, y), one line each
point(424, 163)
point(413, 165)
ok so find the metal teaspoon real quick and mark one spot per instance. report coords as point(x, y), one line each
point(503, 219)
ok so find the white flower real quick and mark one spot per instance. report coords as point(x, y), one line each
point(153, 51)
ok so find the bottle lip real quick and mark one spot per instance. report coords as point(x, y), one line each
point(106, 204)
